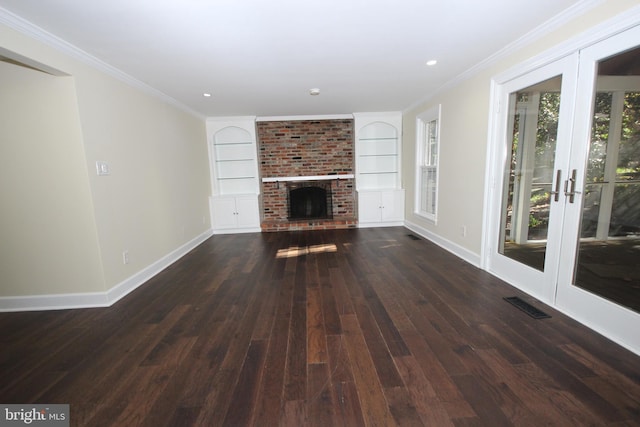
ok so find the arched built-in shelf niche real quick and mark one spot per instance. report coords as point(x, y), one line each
point(235, 189)
point(378, 174)
point(234, 158)
point(377, 154)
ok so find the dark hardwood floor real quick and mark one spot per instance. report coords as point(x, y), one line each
point(361, 327)
point(609, 268)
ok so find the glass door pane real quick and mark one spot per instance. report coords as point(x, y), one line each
point(530, 158)
point(608, 260)
point(529, 172)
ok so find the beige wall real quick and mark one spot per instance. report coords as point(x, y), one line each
point(69, 237)
point(463, 139)
point(48, 233)
point(154, 201)
point(157, 194)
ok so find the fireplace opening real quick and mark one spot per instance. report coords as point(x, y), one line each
point(310, 200)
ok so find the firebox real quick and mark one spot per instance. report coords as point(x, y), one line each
point(309, 200)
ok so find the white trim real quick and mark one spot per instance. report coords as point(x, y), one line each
point(422, 119)
point(294, 118)
point(31, 30)
point(596, 326)
point(617, 324)
point(604, 30)
point(133, 282)
point(216, 124)
point(31, 63)
point(542, 30)
point(388, 118)
point(230, 120)
point(392, 118)
point(99, 299)
point(537, 33)
point(593, 35)
point(490, 178)
point(237, 230)
point(380, 224)
point(470, 257)
point(308, 178)
point(54, 302)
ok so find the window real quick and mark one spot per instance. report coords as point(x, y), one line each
point(428, 141)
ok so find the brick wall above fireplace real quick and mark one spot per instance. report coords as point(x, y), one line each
point(314, 148)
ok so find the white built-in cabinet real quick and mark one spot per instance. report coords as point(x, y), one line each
point(378, 138)
point(235, 213)
point(383, 207)
point(234, 202)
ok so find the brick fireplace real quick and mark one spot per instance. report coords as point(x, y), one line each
point(318, 151)
point(309, 200)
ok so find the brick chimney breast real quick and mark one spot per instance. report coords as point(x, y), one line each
point(298, 148)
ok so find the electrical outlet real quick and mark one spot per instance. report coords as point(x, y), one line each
point(103, 168)
point(125, 257)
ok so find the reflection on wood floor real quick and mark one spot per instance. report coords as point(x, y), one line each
point(609, 269)
point(361, 327)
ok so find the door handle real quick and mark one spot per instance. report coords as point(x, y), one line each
point(556, 192)
point(571, 194)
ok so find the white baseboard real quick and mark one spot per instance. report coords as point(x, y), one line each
point(459, 251)
point(380, 224)
point(237, 230)
point(99, 299)
point(125, 287)
point(54, 302)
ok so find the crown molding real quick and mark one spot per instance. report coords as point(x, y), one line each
point(34, 32)
point(312, 117)
point(537, 33)
point(231, 118)
point(602, 31)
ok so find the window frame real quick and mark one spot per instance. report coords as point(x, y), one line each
point(427, 161)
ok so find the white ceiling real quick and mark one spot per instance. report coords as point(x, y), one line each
point(260, 57)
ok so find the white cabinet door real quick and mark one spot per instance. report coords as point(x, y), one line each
point(369, 206)
point(392, 205)
point(223, 213)
point(247, 212)
point(381, 207)
point(239, 213)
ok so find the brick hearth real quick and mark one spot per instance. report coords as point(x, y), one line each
point(321, 224)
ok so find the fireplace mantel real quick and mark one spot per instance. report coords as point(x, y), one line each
point(308, 178)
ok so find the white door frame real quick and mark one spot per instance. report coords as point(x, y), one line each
point(618, 330)
point(540, 284)
point(612, 320)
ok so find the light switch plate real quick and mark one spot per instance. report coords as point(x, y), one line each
point(102, 168)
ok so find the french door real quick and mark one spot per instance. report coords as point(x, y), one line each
point(534, 130)
point(599, 277)
point(567, 162)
